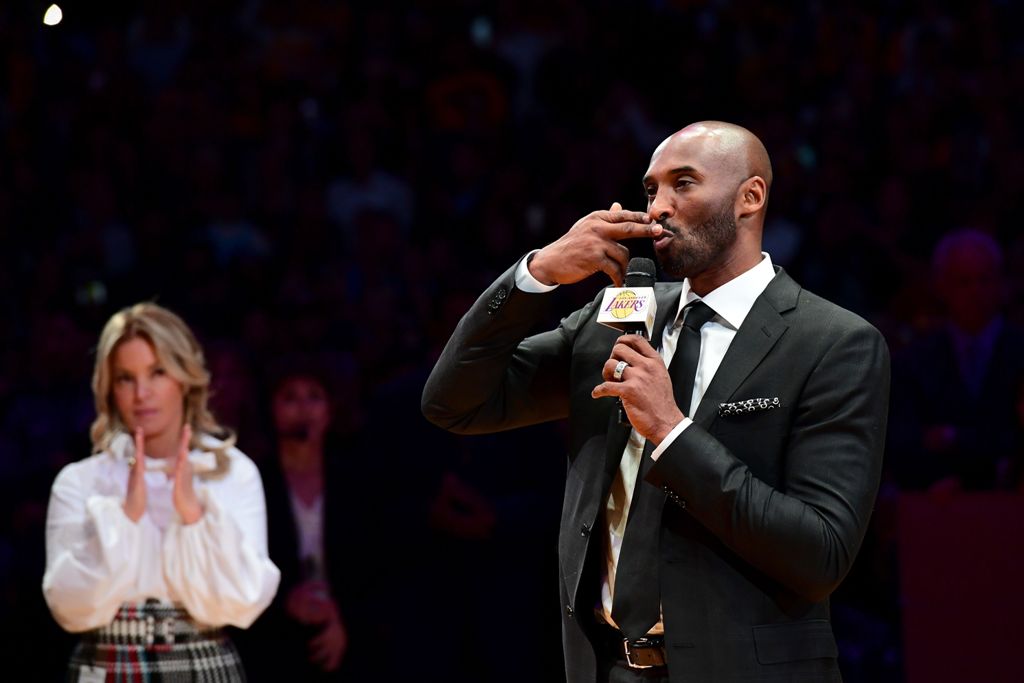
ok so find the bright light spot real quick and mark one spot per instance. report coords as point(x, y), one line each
point(53, 15)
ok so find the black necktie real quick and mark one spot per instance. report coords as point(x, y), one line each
point(684, 361)
point(637, 599)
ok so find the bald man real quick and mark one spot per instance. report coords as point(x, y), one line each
point(702, 541)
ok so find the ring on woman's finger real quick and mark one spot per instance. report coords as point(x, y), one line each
point(619, 369)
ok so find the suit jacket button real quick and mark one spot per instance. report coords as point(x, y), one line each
point(568, 611)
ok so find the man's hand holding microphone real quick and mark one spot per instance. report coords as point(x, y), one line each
point(635, 372)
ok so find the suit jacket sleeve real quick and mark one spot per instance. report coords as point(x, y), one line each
point(804, 532)
point(491, 376)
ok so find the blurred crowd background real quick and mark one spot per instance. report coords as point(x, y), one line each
point(339, 180)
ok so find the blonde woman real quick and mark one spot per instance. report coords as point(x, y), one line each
point(159, 538)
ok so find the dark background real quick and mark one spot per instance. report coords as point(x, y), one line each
point(343, 178)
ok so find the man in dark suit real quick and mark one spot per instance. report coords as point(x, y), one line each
point(955, 386)
point(757, 460)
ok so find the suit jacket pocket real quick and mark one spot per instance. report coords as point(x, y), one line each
point(772, 420)
point(811, 639)
point(758, 439)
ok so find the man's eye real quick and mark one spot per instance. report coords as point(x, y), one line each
point(683, 182)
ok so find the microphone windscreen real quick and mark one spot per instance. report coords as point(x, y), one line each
point(640, 272)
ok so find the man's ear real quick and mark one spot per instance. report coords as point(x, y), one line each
point(752, 196)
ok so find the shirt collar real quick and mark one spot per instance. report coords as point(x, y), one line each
point(733, 300)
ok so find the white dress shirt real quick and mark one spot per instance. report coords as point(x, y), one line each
point(309, 525)
point(218, 568)
point(731, 303)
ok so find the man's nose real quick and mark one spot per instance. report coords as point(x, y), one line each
point(660, 207)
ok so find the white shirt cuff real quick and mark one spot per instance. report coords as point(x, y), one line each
point(527, 282)
point(676, 431)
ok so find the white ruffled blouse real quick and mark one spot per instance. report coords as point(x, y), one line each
point(218, 569)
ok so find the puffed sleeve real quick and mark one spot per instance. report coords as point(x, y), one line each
point(219, 567)
point(93, 551)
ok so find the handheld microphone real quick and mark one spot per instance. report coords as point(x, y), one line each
point(632, 307)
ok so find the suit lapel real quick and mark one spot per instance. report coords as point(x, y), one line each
point(667, 297)
point(760, 331)
point(618, 435)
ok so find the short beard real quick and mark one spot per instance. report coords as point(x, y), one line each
point(694, 251)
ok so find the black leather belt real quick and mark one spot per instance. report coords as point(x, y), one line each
point(643, 653)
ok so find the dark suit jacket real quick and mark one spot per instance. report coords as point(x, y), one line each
point(928, 390)
point(276, 647)
point(765, 511)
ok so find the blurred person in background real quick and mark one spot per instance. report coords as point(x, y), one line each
point(158, 539)
point(955, 386)
point(315, 628)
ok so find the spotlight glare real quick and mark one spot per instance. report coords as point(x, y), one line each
point(53, 15)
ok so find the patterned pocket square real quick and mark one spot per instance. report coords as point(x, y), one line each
point(751, 405)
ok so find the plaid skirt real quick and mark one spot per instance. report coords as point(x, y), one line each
point(155, 642)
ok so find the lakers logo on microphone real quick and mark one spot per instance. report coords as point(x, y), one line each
point(625, 304)
point(629, 309)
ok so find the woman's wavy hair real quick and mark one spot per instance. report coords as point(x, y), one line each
point(181, 356)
